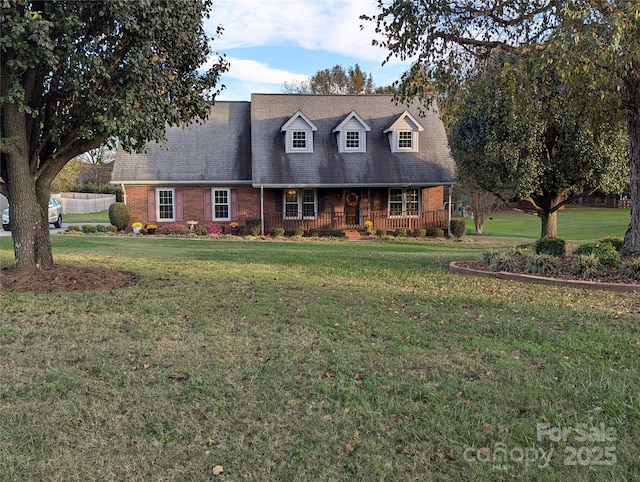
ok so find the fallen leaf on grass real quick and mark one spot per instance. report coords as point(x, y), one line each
point(217, 470)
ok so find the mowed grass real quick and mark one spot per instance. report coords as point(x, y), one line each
point(575, 223)
point(313, 361)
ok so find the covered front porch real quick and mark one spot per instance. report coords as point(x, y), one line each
point(340, 220)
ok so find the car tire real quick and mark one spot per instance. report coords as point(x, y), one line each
point(58, 223)
point(6, 227)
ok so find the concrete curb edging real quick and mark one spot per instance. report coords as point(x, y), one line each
point(528, 278)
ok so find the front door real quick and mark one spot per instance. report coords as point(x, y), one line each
point(352, 209)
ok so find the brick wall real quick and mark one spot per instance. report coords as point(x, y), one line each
point(247, 203)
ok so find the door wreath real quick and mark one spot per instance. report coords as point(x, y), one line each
point(352, 199)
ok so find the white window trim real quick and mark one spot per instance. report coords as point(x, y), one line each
point(412, 147)
point(362, 141)
point(308, 141)
point(300, 197)
point(173, 198)
point(405, 203)
point(213, 203)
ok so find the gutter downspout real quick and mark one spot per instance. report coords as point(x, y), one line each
point(124, 192)
point(449, 212)
point(262, 210)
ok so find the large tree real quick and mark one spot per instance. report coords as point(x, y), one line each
point(336, 80)
point(511, 131)
point(75, 73)
point(444, 40)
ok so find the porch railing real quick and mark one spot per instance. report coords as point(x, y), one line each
point(380, 219)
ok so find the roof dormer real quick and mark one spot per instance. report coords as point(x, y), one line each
point(352, 134)
point(298, 133)
point(403, 133)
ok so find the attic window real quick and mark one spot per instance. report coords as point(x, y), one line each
point(298, 140)
point(404, 133)
point(405, 139)
point(352, 140)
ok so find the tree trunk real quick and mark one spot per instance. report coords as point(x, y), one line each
point(28, 199)
point(632, 237)
point(549, 224)
point(478, 222)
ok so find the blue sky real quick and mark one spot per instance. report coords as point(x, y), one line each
point(270, 42)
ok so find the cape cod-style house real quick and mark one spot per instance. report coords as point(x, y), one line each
point(296, 161)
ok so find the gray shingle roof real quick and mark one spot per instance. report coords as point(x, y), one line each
point(271, 166)
point(216, 151)
point(242, 141)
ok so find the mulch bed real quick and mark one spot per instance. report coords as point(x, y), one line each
point(63, 278)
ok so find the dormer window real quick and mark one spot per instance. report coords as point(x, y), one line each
point(298, 133)
point(352, 140)
point(352, 134)
point(405, 140)
point(403, 133)
point(299, 140)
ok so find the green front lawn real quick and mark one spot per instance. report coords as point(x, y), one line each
point(575, 223)
point(314, 361)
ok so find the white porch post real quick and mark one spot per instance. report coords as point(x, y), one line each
point(449, 211)
point(262, 210)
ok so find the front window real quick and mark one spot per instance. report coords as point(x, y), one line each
point(404, 202)
point(405, 140)
point(299, 140)
point(300, 203)
point(165, 202)
point(221, 204)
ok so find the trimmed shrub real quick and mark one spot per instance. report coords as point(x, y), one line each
point(89, 229)
point(119, 215)
point(381, 233)
point(278, 232)
point(552, 246)
point(401, 233)
point(298, 233)
point(254, 226)
point(101, 228)
point(586, 265)
point(604, 251)
point(315, 232)
point(458, 227)
point(335, 233)
point(616, 241)
point(438, 233)
point(632, 269)
point(111, 229)
point(419, 232)
point(73, 229)
point(542, 264)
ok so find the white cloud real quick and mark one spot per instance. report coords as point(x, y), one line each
point(251, 70)
point(330, 25)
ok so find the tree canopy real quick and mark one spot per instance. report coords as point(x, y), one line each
point(517, 133)
point(75, 73)
point(338, 80)
point(447, 41)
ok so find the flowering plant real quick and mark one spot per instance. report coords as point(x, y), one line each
point(151, 226)
point(137, 224)
point(214, 228)
point(368, 224)
point(233, 225)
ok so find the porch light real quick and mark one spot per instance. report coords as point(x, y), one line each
point(291, 192)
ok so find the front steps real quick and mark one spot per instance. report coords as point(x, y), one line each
point(357, 235)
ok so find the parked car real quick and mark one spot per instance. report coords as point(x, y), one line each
point(55, 215)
